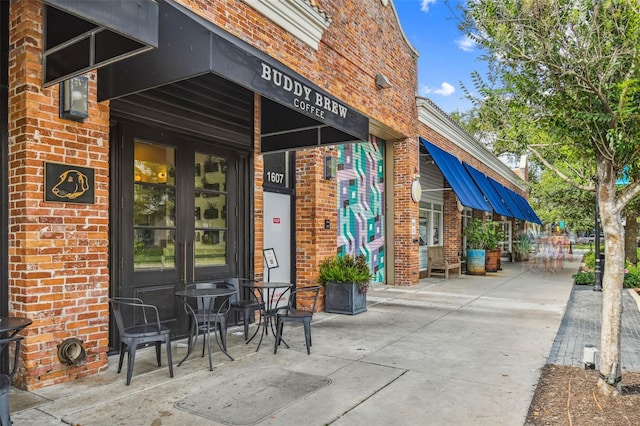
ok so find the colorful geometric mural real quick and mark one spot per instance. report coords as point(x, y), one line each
point(361, 203)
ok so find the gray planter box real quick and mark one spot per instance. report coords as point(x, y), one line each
point(344, 298)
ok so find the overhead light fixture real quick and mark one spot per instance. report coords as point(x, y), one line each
point(382, 82)
point(329, 167)
point(74, 98)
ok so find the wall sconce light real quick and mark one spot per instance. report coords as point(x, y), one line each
point(74, 98)
point(329, 167)
point(382, 82)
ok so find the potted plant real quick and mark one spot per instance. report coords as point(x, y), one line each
point(476, 241)
point(522, 248)
point(346, 279)
point(493, 237)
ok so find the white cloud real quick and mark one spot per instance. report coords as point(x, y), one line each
point(466, 44)
point(424, 4)
point(445, 89)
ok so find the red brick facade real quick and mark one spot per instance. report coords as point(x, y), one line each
point(58, 253)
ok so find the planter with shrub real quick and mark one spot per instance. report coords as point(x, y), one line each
point(346, 281)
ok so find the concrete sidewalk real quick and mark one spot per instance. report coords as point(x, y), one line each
point(466, 350)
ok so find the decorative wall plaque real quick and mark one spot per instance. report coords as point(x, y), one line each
point(69, 184)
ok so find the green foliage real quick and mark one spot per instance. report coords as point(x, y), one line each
point(631, 276)
point(563, 82)
point(584, 278)
point(474, 232)
point(483, 235)
point(494, 235)
point(345, 269)
point(556, 200)
point(522, 244)
point(589, 259)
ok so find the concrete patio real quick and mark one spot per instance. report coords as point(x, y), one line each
point(466, 350)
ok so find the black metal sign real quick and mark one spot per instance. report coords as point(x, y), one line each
point(69, 184)
point(275, 169)
point(275, 81)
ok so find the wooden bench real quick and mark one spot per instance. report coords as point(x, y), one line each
point(438, 262)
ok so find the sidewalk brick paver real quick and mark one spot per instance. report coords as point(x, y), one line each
point(580, 326)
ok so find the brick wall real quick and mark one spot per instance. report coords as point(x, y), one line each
point(452, 219)
point(58, 274)
point(316, 201)
point(405, 211)
point(364, 39)
point(258, 195)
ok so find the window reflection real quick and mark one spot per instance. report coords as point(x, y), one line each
point(210, 210)
point(154, 206)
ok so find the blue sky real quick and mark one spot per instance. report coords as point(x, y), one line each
point(446, 56)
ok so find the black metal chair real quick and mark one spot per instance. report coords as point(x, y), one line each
point(135, 329)
point(247, 306)
point(5, 378)
point(294, 312)
point(211, 316)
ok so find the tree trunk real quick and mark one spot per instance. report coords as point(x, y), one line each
point(631, 235)
point(610, 217)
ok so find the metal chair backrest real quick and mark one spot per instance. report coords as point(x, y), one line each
point(304, 299)
point(237, 282)
point(130, 311)
point(5, 345)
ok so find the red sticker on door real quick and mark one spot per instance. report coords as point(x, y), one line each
point(276, 220)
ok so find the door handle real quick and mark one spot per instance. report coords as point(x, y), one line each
point(193, 261)
point(184, 262)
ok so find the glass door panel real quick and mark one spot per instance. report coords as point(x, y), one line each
point(210, 211)
point(154, 207)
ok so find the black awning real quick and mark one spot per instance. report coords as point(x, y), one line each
point(301, 114)
point(83, 35)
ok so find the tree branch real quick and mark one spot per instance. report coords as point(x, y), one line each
point(560, 174)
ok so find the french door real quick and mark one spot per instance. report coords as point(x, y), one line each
point(179, 217)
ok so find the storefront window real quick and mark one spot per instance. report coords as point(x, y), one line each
point(210, 201)
point(430, 229)
point(154, 206)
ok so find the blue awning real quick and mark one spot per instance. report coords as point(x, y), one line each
point(526, 207)
point(516, 202)
point(499, 205)
point(457, 176)
point(513, 204)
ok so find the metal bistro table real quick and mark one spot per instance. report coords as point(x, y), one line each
point(271, 296)
point(10, 326)
point(206, 293)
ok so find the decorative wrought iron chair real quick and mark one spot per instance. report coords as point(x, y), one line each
point(302, 305)
point(135, 329)
point(247, 306)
